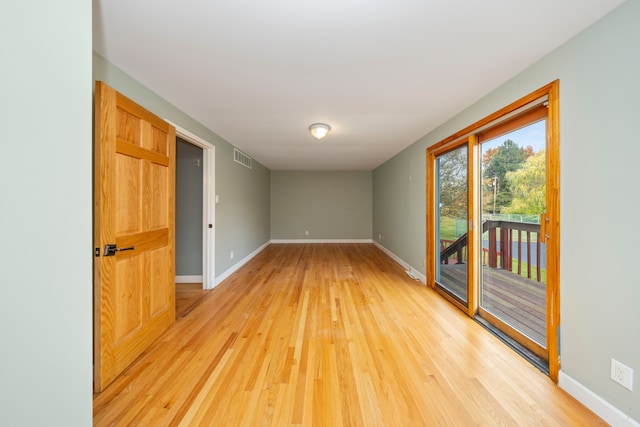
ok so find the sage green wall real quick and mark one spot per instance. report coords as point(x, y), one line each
point(189, 224)
point(599, 123)
point(45, 221)
point(242, 216)
point(331, 205)
point(399, 206)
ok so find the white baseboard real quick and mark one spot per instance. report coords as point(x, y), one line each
point(279, 241)
point(189, 279)
point(239, 264)
point(412, 272)
point(595, 403)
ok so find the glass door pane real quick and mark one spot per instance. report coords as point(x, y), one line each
point(513, 197)
point(451, 203)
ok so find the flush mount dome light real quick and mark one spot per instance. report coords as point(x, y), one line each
point(319, 130)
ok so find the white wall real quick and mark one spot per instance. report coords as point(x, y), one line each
point(45, 218)
point(599, 72)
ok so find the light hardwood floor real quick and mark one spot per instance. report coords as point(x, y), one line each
point(331, 335)
point(188, 296)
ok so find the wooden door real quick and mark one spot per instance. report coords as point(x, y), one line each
point(134, 298)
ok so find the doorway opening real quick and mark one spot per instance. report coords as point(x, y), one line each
point(189, 213)
point(198, 164)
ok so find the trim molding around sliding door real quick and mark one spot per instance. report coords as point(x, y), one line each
point(553, 229)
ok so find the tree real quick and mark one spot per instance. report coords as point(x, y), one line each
point(508, 158)
point(452, 168)
point(528, 187)
point(488, 182)
point(528, 152)
point(487, 157)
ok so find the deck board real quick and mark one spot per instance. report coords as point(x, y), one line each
point(517, 300)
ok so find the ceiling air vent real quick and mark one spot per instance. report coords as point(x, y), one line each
point(242, 158)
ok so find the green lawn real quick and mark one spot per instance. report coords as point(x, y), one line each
point(523, 270)
point(534, 271)
point(448, 228)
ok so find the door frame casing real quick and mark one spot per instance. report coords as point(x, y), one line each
point(208, 202)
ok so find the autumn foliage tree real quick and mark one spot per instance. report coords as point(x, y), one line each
point(528, 187)
point(452, 168)
point(497, 162)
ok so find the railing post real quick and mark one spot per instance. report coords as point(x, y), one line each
point(493, 258)
point(519, 252)
point(529, 254)
point(504, 249)
point(539, 274)
point(444, 244)
point(510, 249)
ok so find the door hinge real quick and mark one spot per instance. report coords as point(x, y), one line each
point(96, 252)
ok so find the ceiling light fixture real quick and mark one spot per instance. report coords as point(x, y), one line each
point(319, 130)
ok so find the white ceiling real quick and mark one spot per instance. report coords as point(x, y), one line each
point(381, 73)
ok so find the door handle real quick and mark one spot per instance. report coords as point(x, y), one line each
point(544, 237)
point(111, 249)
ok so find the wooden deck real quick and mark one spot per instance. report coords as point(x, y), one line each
point(514, 299)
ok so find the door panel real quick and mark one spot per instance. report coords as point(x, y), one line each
point(134, 209)
point(513, 197)
point(452, 222)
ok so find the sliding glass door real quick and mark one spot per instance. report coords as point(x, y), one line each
point(513, 199)
point(493, 222)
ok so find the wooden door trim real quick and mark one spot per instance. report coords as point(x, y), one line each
point(553, 229)
point(474, 227)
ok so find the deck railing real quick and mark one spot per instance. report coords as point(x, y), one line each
point(502, 252)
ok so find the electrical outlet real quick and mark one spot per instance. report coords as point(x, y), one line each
point(306, 232)
point(622, 374)
point(231, 255)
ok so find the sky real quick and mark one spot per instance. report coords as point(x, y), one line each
point(533, 135)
